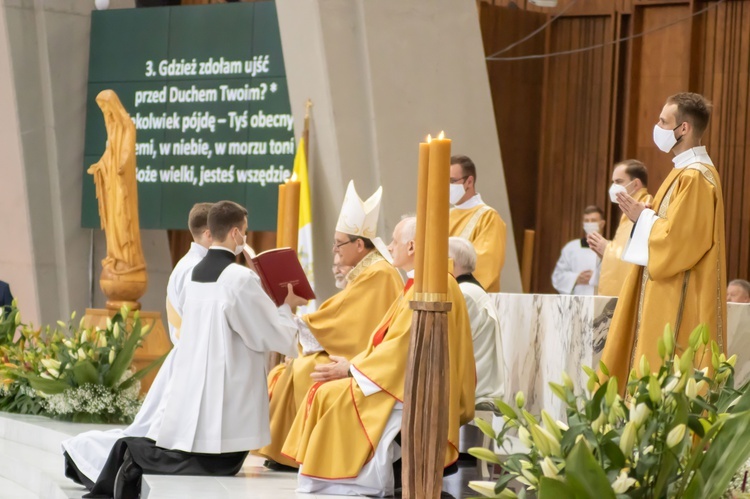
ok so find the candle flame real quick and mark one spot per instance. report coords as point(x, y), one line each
point(429, 138)
point(293, 178)
point(442, 135)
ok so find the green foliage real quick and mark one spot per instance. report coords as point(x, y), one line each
point(679, 433)
point(72, 371)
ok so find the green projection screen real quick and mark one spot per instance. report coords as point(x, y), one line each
point(206, 88)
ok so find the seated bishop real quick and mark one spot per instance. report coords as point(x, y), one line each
point(85, 454)
point(346, 436)
point(216, 407)
point(341, 327)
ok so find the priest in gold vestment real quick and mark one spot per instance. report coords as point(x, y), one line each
point(342, 325)
point(473, 220)
point(678, 249)
point(630, 176)
point(345, 436)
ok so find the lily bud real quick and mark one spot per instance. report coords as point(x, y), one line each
point(591, 384)
point(17, 319)
point(51, 363)
point(145, 329)
point(524, 436)
point(520, 400)
point(654, 390)
point(596, 424)
point(81, 354)
point(567, 381)
point(545, 441)
point(116, 330)
point(676, 435)
point(111, 356)
point(550, 425)
point(645, 366)
point(54, 373)
point(549, 469)
point(62, 324)
point(705, 335)
point(732, 360)
point(715, 361)
point(534, 481)
point(109, 323)
point(627, 439)
point(691, 388)
point(695, 338)
point(671, 386)
point(686, 362)
point(609, 397)
point(85, 336)
point(639, 413)
point(661, 348)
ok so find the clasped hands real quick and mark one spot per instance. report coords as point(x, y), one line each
point(630, 206)
point(337, 369)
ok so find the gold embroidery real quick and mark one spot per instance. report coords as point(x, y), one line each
point(372, 258)
point(471, 225)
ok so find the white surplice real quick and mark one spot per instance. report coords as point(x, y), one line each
point(91, 449)
point(574, 259)
point(487, 341)
point(218, 402)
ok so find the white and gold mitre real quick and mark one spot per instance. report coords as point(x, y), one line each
point(360, 218)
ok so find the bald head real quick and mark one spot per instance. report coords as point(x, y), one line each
point(402, 246)
point(738, 291)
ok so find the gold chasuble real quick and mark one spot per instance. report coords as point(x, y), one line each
point(342, 325)
point(338, 430)
point(485, 229)
point(614, 270)
point(684, 281)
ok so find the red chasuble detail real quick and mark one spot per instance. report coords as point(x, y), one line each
point(380, 334)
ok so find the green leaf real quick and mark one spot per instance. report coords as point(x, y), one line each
point(85, 372)
point(140, 374)
point(48, 386)
point(503, 482)
point(594, 407)
point(728, 451)
point(506, 409)
point(695, 489)
point(124, 357)
point(695, 425)
point(549, 488)
point(666, 472)
point(585, 475)
point(614, 454)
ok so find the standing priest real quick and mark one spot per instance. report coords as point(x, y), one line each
point(481, 224)
point(345, 436)
point(216, 408)
point(678, 247)
point(341, 327)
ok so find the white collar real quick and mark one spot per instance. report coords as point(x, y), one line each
point(198, 249)
point(692, 155)
point(217, 247)
point(410, 274)
point(472, 202)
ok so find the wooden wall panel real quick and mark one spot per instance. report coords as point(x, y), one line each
point(517, 97)
point(721, 62)
point(575, 152)
point(660, 67)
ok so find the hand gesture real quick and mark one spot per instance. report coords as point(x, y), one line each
point(293, 300)
point(584, 277)
point(597, 243)
point(338, 369)
point(630, 206)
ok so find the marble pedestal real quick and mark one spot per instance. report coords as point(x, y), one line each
point(544, 335)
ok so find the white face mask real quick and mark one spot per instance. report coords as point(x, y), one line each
point(240, 247)
point(457, 192)
point(590, 227)
point(615, 188)
point(665, 139)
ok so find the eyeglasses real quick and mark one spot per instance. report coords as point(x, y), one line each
point(457, 180)
point(338, 245)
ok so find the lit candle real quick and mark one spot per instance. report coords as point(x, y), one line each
point(438, 206)
point(291, 213)
point(280, 217)
point(424, 158)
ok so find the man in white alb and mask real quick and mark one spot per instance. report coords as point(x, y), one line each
point(574, 272)
point(485, 325)
point(85, 454)
point(216, 408)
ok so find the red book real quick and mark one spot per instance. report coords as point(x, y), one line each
point(279, 267)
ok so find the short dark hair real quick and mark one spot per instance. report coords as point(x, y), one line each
point(593, 209)
point(693, 108)
point(367, 242)
point(467, 166)
point(198, 218)
point(635, 170)
point(223, 217)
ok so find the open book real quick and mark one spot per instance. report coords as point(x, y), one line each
point(279, 267)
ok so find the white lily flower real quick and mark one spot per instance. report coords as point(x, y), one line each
point(676, 435)
point(623, 483)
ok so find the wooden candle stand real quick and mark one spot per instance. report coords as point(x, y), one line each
point(424, 427)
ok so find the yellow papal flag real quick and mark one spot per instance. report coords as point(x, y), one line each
point(305, 242)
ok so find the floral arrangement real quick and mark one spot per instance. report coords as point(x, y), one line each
point(680, 432)
point(72, 372)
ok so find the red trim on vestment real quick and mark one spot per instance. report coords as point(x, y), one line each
point(310, 397)
point(380, 334)
point(354, 402)
point(273, 384)
point(457, 452)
